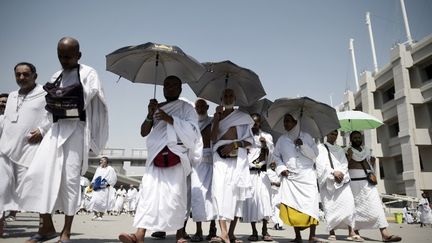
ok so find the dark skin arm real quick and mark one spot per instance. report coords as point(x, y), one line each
point(215, 127)
point(147, 125)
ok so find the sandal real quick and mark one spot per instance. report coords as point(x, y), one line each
point(332, 237)
point(267, 237)
point(253, 238)
point(127, 238)
point(235, 240)
point(41, 238)
point(212, 233)
point(182, 240)
point(159, 234)
point(357, 238)
point(197, 238)
point(217, 239)
point(392, 238)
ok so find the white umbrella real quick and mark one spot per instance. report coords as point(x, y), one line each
point(151, 63)
point(357, 121)
point(221, 75)
point(316, 118)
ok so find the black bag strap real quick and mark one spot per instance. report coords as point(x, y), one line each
point(59, 78)
point(328, 153)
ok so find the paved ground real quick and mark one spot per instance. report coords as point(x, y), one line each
point(107, 230)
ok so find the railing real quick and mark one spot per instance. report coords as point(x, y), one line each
point(118, 152)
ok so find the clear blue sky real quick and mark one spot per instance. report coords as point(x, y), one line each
point(296, 47)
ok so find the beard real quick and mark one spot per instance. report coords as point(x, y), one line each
point(202, 116)
point(228, 106)
point(171, 98)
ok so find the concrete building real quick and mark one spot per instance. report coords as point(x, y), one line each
point(400, 94)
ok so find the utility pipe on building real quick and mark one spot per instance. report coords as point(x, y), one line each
point(351, 48)
point(369, 25)
point(405, 18)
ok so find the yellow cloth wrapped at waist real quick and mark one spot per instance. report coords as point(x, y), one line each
point(295, 218)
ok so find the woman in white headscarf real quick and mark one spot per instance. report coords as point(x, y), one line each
point(295, 155)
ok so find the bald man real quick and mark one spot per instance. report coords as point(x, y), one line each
point(80, 124)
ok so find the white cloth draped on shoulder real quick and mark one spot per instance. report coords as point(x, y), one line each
point(337, 198)
point(40, 188)
point(100, 198)
point(231, 183)
point(162, 203)
point(425, 211)
point(299, 190)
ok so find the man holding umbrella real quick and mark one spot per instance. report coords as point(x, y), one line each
point(173, 143)
point(231, 134)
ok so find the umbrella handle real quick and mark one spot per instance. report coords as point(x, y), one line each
point(156, 74)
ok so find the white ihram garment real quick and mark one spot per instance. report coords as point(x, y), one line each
point(337, 198)
point(231, 183)
point(369, 212)
point(299, 190)
point(162, 202)
point(425, 211)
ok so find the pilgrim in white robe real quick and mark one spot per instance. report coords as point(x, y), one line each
point(407, 215)
point(23, 114)
point(369, 212)
point(132, 199)
point(231, 183)
point(201, 180)
point(299, 189)
point(163, 199)
point(259, 207)
point(53, 178)
point(425, 211)
point(337, 198)
point(120, 200)
point(100, 198)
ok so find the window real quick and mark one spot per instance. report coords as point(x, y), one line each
point(388, 94)
point(393, 130)
point(382, 175)
point(399, 166)
point(428, 72)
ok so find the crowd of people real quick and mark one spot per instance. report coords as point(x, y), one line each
point(222, 169)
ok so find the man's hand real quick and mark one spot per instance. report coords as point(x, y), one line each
point(218, 113)
point(284, 173)
point(35, 136)
point(298, 142)
point(227, 148)
point(161, 115)
point(152, 107)
point(338, 175)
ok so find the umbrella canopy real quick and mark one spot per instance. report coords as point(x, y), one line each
point(316, 118)
point(152, 63)
point(357, 121)
point(221, 75)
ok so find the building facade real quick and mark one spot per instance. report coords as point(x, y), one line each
point(400, 94)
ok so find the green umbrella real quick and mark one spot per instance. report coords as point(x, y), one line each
point(357, 121)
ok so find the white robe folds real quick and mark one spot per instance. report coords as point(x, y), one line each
point(40, 189)
point(201, 179)
point(100, 198)
point(425, 211)
point(163, 199)
point(299, 190)
point(22, 115)
point(369, 212)
point(231, 183)
point(337, 198)
point(259, 206)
